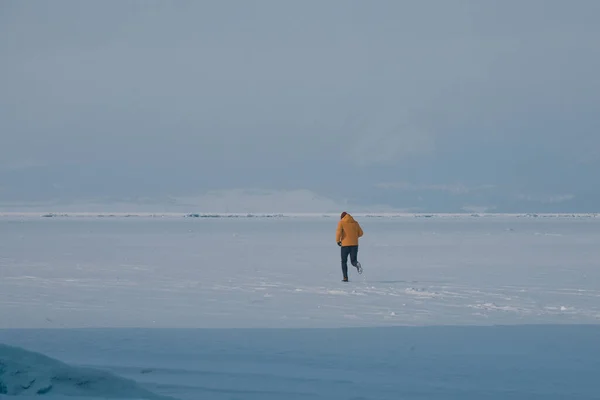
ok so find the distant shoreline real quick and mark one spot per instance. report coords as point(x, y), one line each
point(14, 214)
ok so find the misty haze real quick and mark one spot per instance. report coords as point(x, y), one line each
point(311, 199)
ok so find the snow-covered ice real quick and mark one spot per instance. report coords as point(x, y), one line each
point(409, 327)
point(27, 373)
point(437, 362)
point(285, 272)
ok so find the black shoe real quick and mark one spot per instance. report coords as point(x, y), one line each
point(345, 279)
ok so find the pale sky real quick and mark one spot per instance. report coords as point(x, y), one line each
point(434, 106)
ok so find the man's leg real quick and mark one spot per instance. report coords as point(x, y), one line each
point(345, 250)
point(354, 258)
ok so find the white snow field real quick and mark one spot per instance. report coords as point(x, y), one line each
point(448, 307)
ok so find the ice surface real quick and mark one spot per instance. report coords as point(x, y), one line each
point(25, 373)
point(467, 362)
point(285, 272)
point(404, 329)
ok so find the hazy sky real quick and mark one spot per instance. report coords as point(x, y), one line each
point(420, 105)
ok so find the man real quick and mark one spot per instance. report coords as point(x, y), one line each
point(347, 234)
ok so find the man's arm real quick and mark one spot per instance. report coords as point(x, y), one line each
point(360, 231)
point(338, 232)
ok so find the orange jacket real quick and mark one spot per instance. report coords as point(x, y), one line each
point(348, 231)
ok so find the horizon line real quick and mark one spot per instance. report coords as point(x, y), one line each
point(64, 214)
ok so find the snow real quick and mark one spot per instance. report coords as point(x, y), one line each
point(27, 373)
point(435, 362)
point(448, 306)
point(285, 272)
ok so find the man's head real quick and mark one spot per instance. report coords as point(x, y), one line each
point(343, 214)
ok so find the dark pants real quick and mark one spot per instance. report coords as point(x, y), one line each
point(351, 251)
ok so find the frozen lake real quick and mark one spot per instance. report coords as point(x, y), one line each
point(467, 362)
point(410, 327)
point(285, 272)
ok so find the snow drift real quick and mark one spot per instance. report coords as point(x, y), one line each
point(26, 373)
